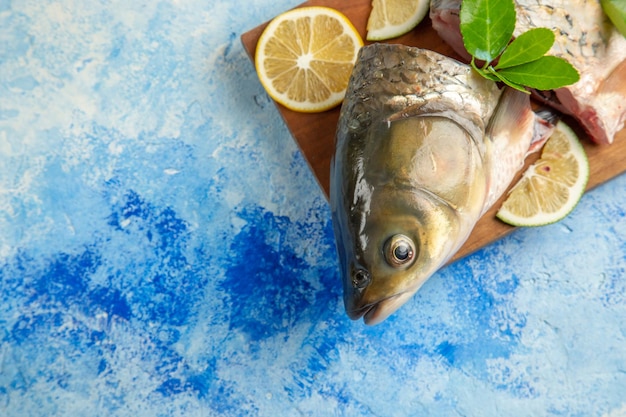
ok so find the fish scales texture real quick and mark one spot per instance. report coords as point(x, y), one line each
point(424, 147)
point(400, 78)
point(586, 38)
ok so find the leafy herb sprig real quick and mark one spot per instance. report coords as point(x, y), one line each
point(487, 28)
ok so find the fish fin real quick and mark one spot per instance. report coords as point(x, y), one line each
point(509, 136)
point(511, 126)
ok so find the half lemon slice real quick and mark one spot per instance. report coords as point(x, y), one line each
point(392, 18)
point(305, 56)
point(551, 187)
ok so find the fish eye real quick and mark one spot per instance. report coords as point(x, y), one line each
point(399, 251)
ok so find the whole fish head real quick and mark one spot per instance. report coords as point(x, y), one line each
point(402, 219)
point(409, 172)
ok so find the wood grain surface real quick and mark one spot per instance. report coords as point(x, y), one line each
point(315, 133)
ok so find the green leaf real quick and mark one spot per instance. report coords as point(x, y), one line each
point(484, 71)
point(545, 73)
point(499, 77)
point(616, 10)
point(527, 47)
point(487, 27)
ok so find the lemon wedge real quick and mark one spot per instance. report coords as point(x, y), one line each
point(305, 56)
point(392, 18)
point(551, 187)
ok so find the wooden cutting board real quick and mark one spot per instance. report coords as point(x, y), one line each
point(315, 133)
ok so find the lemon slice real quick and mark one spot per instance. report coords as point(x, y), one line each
point(392, 18)
point(305, 56)
point(616, 10)
point(551, 187)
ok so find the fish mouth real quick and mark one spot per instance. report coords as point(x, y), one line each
point(377, 312)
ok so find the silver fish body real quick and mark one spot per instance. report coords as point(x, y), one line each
point(424, 147)
point(586, 38)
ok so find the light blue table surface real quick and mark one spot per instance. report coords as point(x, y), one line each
point(165, 251)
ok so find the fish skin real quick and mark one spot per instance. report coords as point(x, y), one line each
point(424, 147)
point(585, 37)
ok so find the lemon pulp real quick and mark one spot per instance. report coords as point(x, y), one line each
point(551, 187)
point(305, 56)
point(392, 18)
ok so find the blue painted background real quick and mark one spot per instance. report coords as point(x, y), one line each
point(165, 251)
